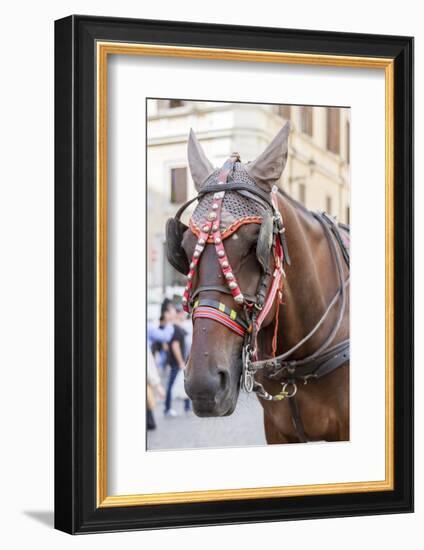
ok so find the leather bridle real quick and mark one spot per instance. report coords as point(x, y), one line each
point(256, 308)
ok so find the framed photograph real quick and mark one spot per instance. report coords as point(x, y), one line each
point(234, 274)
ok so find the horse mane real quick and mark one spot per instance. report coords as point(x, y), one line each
point(309, 213)
point(295, 202)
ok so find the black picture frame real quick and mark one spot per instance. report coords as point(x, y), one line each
point(76, 509)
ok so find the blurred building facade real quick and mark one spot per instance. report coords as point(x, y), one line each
point(317, 170)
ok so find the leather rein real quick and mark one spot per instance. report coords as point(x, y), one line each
point(280, 368)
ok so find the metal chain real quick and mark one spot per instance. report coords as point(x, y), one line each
point(250, 385)
point(283, 394)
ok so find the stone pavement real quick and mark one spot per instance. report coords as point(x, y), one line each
point(186, 431)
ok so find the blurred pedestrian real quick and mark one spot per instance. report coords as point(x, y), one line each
point(158, 337)
point(163, 333)
point(160, 345)
point(184, 321)
point(154, 388)
point(176, 359)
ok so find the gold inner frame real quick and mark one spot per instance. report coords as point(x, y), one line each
point(104, 49)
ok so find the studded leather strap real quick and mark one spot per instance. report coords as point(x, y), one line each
point(211, 227)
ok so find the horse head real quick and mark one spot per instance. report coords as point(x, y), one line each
point(227, 252)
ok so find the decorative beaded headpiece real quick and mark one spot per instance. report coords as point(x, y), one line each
point(208, 223)
point(236, 209)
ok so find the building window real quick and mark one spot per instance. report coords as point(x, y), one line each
point(302, 193)
point(164, 104)
point(178, 185)
point(284, 111)
point(348, 142)
point(328, 205)
point(333, 130)
point(175, 103)
point(306, 122)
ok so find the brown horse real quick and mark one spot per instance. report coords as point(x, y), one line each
point(320, 409)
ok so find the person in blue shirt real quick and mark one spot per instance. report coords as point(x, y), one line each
point(162, 334)
point(157, 336)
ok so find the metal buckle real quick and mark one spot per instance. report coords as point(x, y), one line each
point(263, 394)
point(284, 390)
point(278, 218)
point(248, 372)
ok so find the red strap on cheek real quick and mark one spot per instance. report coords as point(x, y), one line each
point(275, 291)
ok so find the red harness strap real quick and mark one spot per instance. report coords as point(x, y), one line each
point(276, 279)
point(276, 288)
point(207, 312)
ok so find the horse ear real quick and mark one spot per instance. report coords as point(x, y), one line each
point(200, 167)
point(266, 170)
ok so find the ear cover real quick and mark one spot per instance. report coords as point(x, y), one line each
point(266, 169)
point(174, 251)
point(200, 166)
point(264, 244)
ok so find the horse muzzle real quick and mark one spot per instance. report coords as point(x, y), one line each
point(213, 390)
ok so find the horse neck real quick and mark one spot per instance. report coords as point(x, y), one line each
point(310, 280)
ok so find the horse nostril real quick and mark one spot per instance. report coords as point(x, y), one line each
point(223, 380)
